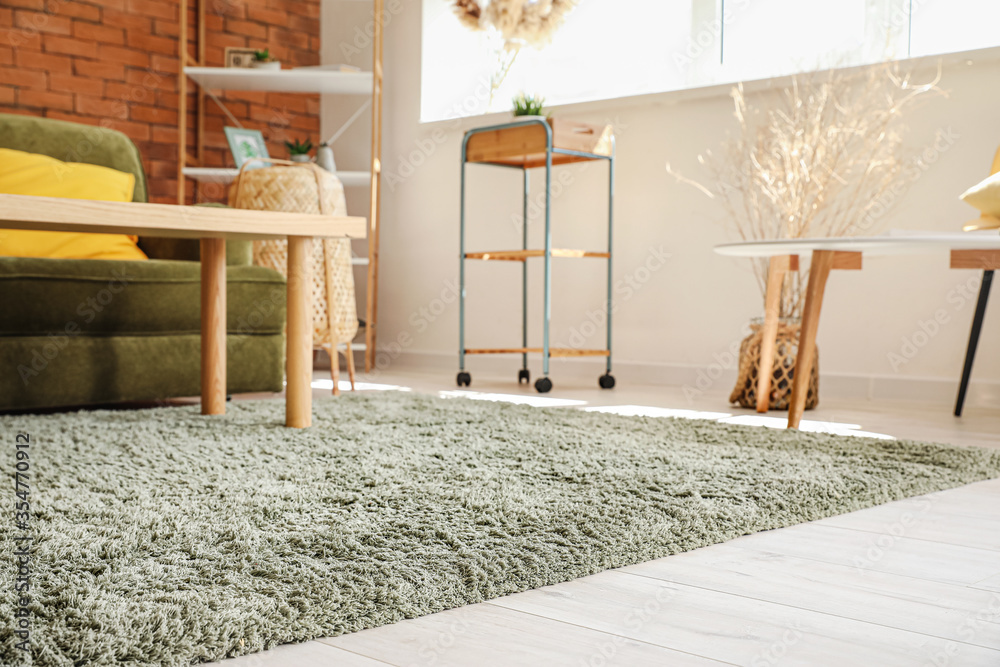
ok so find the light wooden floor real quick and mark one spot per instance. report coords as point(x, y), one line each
point(915, 582)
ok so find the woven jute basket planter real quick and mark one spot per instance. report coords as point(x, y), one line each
point(786, 349)
point(305, 188)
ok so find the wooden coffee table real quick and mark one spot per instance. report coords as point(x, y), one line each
point(212, 226)
point(968, 251)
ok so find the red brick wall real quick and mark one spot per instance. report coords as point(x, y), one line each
point(115, 63)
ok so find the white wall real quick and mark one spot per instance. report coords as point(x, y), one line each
point(684, 320)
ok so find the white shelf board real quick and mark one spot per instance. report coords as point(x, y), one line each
point(359, 261)
point(282, 81)
point(223, 175)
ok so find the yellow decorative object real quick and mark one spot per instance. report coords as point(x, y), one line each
point(24, 173)
point(984, 196)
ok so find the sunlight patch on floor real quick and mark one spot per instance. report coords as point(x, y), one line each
point(345, 385)
point(779, 422)
point(649, 411)
point(517, 399)
point(835, 428)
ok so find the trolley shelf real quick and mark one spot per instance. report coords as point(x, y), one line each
point(553, 352)
point(525, 143)
point(522, 255)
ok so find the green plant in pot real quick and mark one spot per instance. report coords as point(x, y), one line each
point(263, 60)
point(532, 106)
point(299, 150)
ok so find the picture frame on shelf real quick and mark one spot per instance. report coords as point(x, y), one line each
point(246, 145)
point(238, 56)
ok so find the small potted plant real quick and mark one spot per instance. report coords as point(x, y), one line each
point(263, 60)
point(530, 106)
point(299, 151)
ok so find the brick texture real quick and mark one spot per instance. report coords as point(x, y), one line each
point(115, 63)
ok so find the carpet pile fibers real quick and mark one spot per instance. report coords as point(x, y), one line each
point(164, 537)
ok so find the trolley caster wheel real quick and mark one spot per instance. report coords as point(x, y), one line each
point(524, 375)
point(463, 379)
point(607, 381)
point(543, 385)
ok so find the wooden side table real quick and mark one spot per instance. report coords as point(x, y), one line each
point(212, 226)
point(968, 251)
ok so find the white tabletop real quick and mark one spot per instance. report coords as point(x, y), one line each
point(889, 244)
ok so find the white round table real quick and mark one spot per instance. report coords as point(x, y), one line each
point(972, 250)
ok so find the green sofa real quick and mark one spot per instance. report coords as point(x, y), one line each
point(83, 332)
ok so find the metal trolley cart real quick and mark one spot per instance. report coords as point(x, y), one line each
point(526, 144)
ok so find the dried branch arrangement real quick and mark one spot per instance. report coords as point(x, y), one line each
point(816, 163)
point(518, 21)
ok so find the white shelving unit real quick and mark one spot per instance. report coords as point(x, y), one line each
point(305, 80)
point(225, 176)
point(300, 80)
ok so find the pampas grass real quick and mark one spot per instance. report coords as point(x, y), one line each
point(816, 163)
point(518, 21)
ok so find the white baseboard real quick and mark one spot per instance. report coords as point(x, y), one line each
point(712, 379)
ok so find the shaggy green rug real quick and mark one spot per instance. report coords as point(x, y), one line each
point(163, 537)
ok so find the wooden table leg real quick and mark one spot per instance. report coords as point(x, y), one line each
point(776, 270)
point(213, 326)
point(819, 271)
point(298, 401)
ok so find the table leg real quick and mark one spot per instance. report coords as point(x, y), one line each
point(776, 270)
point(213, 326)
point(970, 351)
point(819, 271)
point(298, 402)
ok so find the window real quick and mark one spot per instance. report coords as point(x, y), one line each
point(947, 26)
point(618, 48)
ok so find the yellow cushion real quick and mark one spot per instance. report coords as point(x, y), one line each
point(42, 176)
point(985, 195)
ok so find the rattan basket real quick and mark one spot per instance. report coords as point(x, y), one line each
point(786, 349)
point(305, 188)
